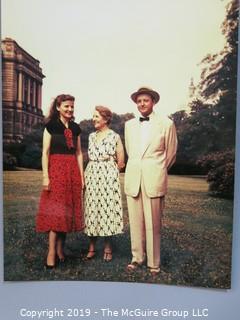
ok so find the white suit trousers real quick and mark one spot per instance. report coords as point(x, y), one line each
point(145, 218)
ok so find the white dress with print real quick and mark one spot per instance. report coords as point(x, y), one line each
point(103, 203)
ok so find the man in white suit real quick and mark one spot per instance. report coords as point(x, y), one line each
point(151, 145)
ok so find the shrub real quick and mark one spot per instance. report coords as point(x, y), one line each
point(9, 161)
point(31, 158)
point(220, 166)
point(15, 150)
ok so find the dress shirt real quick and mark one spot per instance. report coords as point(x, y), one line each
point(145, 127)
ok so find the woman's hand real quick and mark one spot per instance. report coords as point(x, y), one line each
point(46, 184)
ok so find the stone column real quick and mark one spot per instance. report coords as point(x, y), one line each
point(34, 93)
point(28, 91)
point(20, 86)
point(19, 103)
point(39, 96)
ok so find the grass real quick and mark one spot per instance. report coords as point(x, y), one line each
point(195, 248)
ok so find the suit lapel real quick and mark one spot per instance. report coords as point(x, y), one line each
point(136, 135)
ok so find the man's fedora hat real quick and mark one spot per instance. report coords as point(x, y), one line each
point(145, 90)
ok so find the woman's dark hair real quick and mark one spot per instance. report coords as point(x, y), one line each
point(53, 112)
point(105, 112)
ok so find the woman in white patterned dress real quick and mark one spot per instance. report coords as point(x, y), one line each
point(103, 204)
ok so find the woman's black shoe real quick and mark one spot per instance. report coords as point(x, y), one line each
point(48, 267)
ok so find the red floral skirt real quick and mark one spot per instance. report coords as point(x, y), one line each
point(60, 209)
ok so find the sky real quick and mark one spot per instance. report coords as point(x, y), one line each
point(101, 51)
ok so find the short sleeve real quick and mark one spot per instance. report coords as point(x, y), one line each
point(76, 129)
point(50, 127)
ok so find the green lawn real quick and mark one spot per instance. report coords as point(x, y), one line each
point(196, 238)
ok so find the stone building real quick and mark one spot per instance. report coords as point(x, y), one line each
point(21, 91)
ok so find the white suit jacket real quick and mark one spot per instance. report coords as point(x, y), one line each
point(152, 161)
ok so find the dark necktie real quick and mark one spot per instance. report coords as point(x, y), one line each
point(141, 119)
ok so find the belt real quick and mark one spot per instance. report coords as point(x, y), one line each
point(103, 160)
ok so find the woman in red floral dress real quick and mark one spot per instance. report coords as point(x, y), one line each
point(60, 207)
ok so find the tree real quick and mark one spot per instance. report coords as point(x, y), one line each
point(219, 81)
point(178, 117)
point(219, 76)
point(210, 126)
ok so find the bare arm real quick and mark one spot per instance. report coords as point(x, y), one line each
point(45, 159)
point(120, 154)
point(80, 159)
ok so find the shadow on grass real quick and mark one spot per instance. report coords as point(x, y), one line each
point(182, 261)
